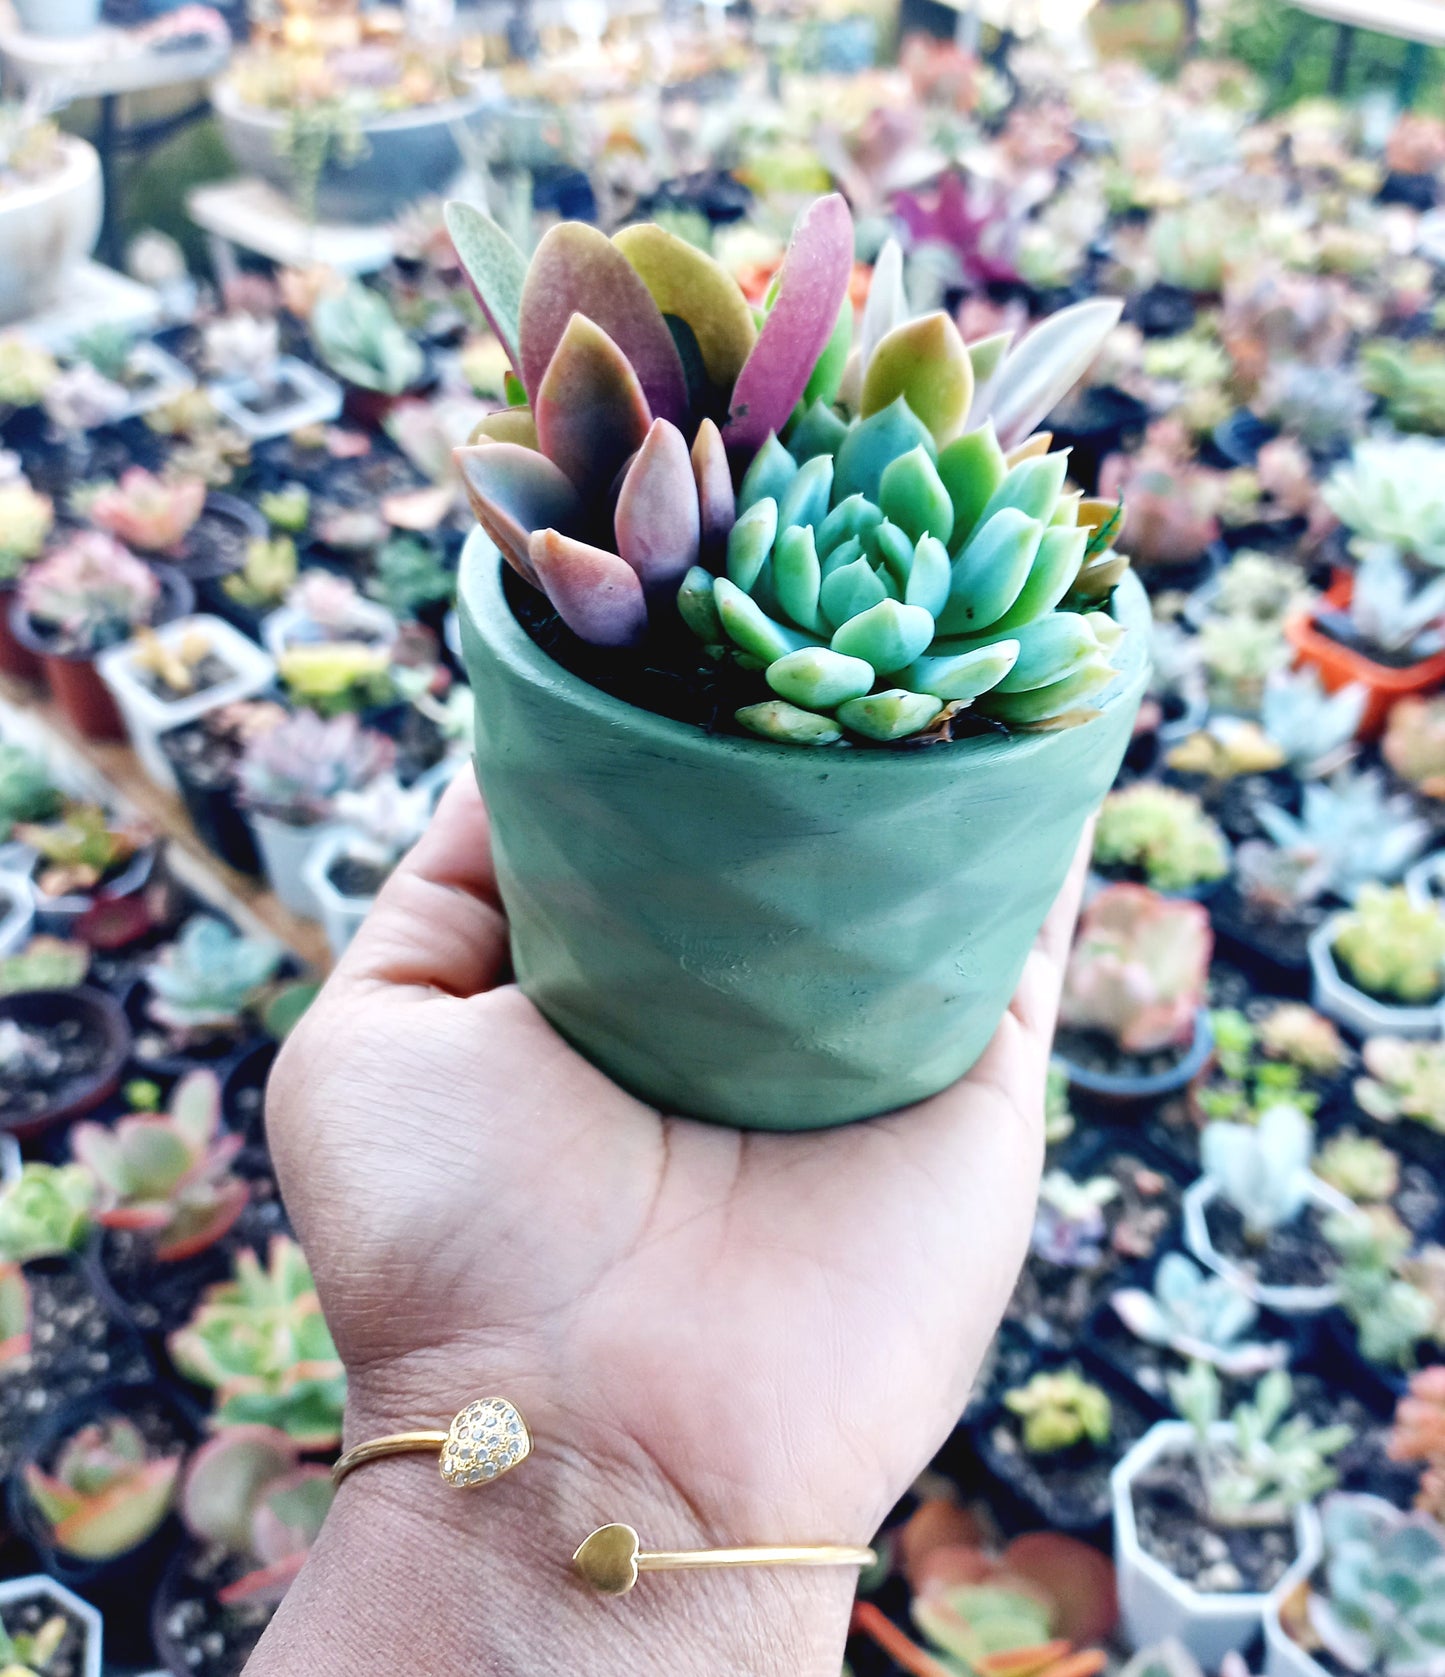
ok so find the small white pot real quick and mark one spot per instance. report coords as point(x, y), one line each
point(148, 716)
point(284, 849)
point(49, 225)
point(17, 910)
point(1426, 881)
point(165, 379)
point(289, 626)
point(1153, 1603)
point(317, 402)
point(22, 1589)
point(1333, 994)
point(1283, 1656)
point(340, 914)
point(58, 19)
point(1284, 1301)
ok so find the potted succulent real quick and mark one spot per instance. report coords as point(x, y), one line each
point(261, 392)
point(1379, 968)
point(82, 597)
point(1391, 1314)
point(288, 779)
point(1211, 1511)
point(26, 520)
point(349, 865)
point(333, 648)
point(1258, 1214)
point(1161, 837)
point(254, 592)
point(114, 374)
point(61, 1052)
point(50, 194)
point(1418, 1435)
point(360, 340)
point(1414, 744)
point(1132, 1025)
point(204, 757)
point(1171, 504)
point(1406, 1081)
point(195, 1001)
point(46, 1630)
point(169, 677)
point(1379, 627)
point(1371, 1605)
point(84, 857)
point(617, 973)
point(173, 519)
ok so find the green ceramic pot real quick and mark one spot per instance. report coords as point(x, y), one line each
point(766, 935)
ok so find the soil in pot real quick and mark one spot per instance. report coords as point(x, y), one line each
point(354, 877)
point(1093, 1051)
point(217, 541)
point(1170, 1514)
point(204, 760)
point(1233, 803)
point(72, 1056)
point(1163, 311)
point(210, 671)
point(1364, 1463)
point(1339, 626)
point(195, 1636)
point(1419, 192)
point(156, 1049)
point(1274, 947)
point(26, 1616)
point(1294, 1255)
point(75, 1346)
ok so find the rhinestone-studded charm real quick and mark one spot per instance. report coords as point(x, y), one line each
point(489, 1438)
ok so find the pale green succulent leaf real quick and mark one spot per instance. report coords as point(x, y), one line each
point(1050, 577)
point(750, 627)
point(1050, 649)
point(767, 478)
point(844, 554)
point(697, 607)
point(849, 591)
point(963, 677)
point(889, 546)
point(971, 468)
point(872, 443)
point(820, 430)
point(776, 719)
point(805, 501)
point(889, 635)
point(750, 541)
point(930, 577)
point(853, 516)
point(1046, 704)
point(797, 576)
point(1033, 487)
point(820, 679)
point(891, 715)
point(990, 573)
point(913, 497)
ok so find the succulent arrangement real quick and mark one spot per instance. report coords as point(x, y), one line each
point(1162, 832)
point(106, 1492)
point(1392, 947)
point(80, 847)
point(1059, 1410)
point(361, 341)
point(1198, 1316)
point(1406, 1080)
point(207, 979)
point(1261, 1169)
point(44, 1212)
point(146, 512)
point(90, 592)
point(294, 771)
point(1394, 1296)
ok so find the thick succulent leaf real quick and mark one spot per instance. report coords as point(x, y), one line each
point(696, 606)
point(1030, 448)
point(1032, 487)
point(850, 590)
point(514, 491)
point(891, 715)
point(1066, 510)
point(930, 577)
point(821, 430)
point(990, 572)
point(776, 719)
point(971, 468)
point(912, 496)
point(812, 284)
point(872, 444)
point(1047, 704)
point(851, 517)
point(597, 595)
point(891, 547)
point(496, 271)
point(887, 304)
point(687, 283)
point(749, 626)
point(507, 425)
point(844, 554)
point(805, 501)
point(1048, 363)
point(578, 270)
point(657, 523)
point(717, 505)
point(592, 413)
point(961, 678)
point(224, 1479)
point(818, 678)
point(1054, 647)
point(1052, 574)
point(118, 1519)
point(889, 636)
point(925, 362)
point(826, 378)
point(750, 541)
point(769, 473)
point(797, 576)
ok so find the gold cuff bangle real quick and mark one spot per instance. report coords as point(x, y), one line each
point(611, 1559)
point(486, 1439)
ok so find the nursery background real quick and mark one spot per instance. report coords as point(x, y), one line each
point(237, 349)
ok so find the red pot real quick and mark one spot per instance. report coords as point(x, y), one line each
point(15, 660)
point(1340, 665)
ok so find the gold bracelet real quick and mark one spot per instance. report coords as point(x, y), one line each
point(611, 1559)
point(487, 1439)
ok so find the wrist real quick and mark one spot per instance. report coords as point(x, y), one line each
point(480, 1580)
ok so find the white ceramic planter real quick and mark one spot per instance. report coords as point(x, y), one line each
point(58, 19)
point(1155, 1605)
point(50, 225)
point(317, 401)
point(340, 915)
point(1333, 994)
point(1426, 881)
point(1284, 1301)
point(23, 1589)
point(289, 626)
point(17, 910)
point(284, 850)
point(1283, 1656)
point(148, 716)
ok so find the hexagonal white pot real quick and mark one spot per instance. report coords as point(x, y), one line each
point(1153, 1603)
point(20, 1589)
point(17, 909)
point(47, 226)
point(1283, 1656)
point(148, 716)
point(1426, 881)
point(1334, 995)
point(317, 401)
point(1284, 1301)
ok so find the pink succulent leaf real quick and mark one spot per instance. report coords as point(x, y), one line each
point(496, 271)
point(290, 1514)
point(658, 523)
point(1138, 968)
point(717, 504)
point(225, 1479)
point(972, 218)
point(597, 595)
point(590, 408)
point(1048, 363)
point(514, 491)
point(577, 270)
point(811, 286)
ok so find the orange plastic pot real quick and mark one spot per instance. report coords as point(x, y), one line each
point(1339, 665)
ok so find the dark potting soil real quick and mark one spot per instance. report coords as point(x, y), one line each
point(207, 1639)
point(1094, 1051)
point(1170, 1512)
point(1296, 1255)
point(66, 1057)
point(210, 672)
point(1006, 1364)
point(354, 877)
point(26, 1616)
point(1070, 1486)
point(217, 543)
point(1337, 626)
point(74, 1347)
point(206, 759)
point(1419, 1199)
point(280, 396)
point(1364, 1463)
point(1280, 938)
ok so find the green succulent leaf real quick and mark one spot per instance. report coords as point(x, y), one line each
point(850, 590)
point(696, 605)
point(1049, 650)
point(912, 496)
point(827, 375)
point(495, 268)
point(961, 677)
point(750, 541)
point(749, 626)
point(805, 501)
point(820, 430)
point(797, 576)
point(891, 715)
point(930, 577)
point(971, 469)
point(890, 547)
point(767, 477)
point(889, 635)
point(871, 444)
point(776, 719)
point(1051, 576)
point(1047, 704)
point(1031, 487)
point(853, 516)
point(818, 678)
point(990, 573)
point(925, 363)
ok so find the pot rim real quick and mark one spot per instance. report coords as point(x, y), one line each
point(230, 105)
point(482, 603)
point(79, 165)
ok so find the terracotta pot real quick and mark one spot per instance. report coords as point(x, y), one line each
point(1339, 665)
point(761, 934)
point(15, 659)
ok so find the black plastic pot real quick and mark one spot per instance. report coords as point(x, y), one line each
point(1126, 1096)
point(243, 1093)
point(199, 560)
point(1419, 192)
point(1239, 438)
point(1100, 420)
point(1276, 957)
point(216, 1054)
point(98, 1015)
point(211, 805)
point(1163, 311)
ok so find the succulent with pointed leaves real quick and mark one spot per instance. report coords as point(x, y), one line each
point(1059, 1409)
point(106, 1493)
point(1361, 1167)
point(1392, 1297)
point(1310, 726)
point(247, 1493)
point(1349, 832)
point(204, 981)
point(1418, 1435)
point(151, 514)
point(1164, 833)
point(294, 770)
point(261, 1342)
point(45, 1212)
point(1197, 1315)
point(1407, 1080)
point(1069, 1226)
point(34, 1653)
point(1393, 947)
point(91, 592)
point(1262, 1169)
point(361, 341)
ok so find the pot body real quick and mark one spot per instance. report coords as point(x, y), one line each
point(16, 659)
point(47, 227)
point(1284, 1301)
point(284, 849)
point(14, 1590)
point(1340, 665)
point(340, 915)
point(763, 934)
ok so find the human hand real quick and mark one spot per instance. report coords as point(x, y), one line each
point(718, 1337)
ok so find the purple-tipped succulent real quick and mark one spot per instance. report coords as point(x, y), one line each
point(868, 516)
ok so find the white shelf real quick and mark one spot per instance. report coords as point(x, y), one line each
point(90, 296)
point(254, 216)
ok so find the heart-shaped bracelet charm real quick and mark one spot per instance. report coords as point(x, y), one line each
point(608, 1559)
point(489, 1438)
